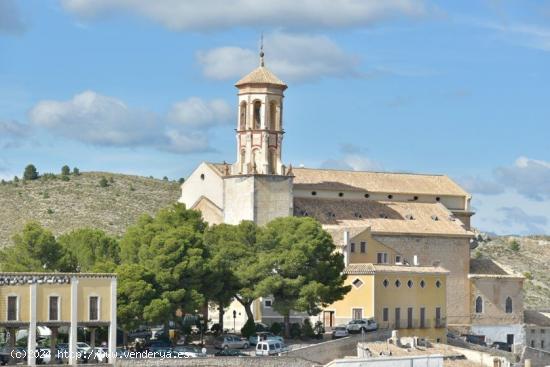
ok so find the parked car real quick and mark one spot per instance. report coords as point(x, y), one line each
point(269, 348)
point(362, 325)
point(476, 339)
point(188, 351)
point(501, 346)
point(158, 346)
point(231, 341)
point(230, 353)
point(340, 331)
point(83, 347)
point(264, 335)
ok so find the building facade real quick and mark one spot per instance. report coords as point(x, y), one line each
point(407, 221)
point(58, 300)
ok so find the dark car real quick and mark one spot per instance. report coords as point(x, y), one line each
point(501, 346)
point(230, 353)
point(476, 339)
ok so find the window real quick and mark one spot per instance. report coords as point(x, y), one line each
point(94, 308)
point(242, 119)
point(398, 259)
point(437, 198)
point(272, 115)
point(409, 283)
point(340, 194)
point(382, 258)
point(357, 313)
point(415, 198)
point(542, 344)
point(313, 193)
point(532, 343)
point(357, 283)
point(385, 283)
point(397, 318)
point(542, 331)
point(397, 283)
point(390, 196)
point(257, 119)
point(363, 247)
point(438, 317)
point(202, 176)
point(479, 304)
point(385, 314)
point(54, 308)
point(422, 317)
point(352, 247)
point(367, 196)
point(409, 318)
point(508, 305)
point(422, 284)
point(438, 284)
point(267, 303)
point(12, 308)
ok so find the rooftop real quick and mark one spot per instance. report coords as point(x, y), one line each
point(261, 75)
point(539, 318)
point(389, 217)
point(487, 268)
point(386, 182)
point(369, 269)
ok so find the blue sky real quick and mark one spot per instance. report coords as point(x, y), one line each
point(143, 87)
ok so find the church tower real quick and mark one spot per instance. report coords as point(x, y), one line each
point(260, 123)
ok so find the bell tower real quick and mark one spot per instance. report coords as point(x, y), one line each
point(260, 123)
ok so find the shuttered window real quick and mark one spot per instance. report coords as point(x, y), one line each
point(94, 308)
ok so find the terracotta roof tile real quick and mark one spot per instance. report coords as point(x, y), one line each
point(261, 75)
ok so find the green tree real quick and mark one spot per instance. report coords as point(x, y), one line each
point(65, 170)
point(103, 182)
point(76, 171)
point(169, 245)
point(30, 173)
point(91, 248)
point(305, 270)
point(35, 249)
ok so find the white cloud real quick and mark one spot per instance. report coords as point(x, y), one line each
point(199, 113)
point(479, 185)
point(529, 177)
point(352, 158)
point(92, 118)
point(12, 133)
point(293, 57)
point(515, 216)
point(526, 35)
point(204, 15)
point(10, 18)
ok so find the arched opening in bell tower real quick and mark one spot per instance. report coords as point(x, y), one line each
point(257, 114)
point(242, 116)
point(272, 115)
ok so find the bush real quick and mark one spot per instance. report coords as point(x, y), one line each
point(65, 178)
point(295, 330)
point(319, 329)
point(16, 179)
point(528, 275)
point(30, 173)
point(103, 182)
point(514, 246)
point(307, 329)
point(276, 328)
point(249, 328)
point(50, 211)
point(111, 179)
point(76, 171)
point(45, 195)
point(181, 180)
point(165, 178)
point(65, 170)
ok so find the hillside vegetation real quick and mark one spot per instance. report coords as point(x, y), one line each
point(529, 256)
point(82, 201)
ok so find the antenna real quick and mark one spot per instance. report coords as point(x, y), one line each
point(262, 50)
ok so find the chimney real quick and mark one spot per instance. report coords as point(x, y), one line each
point(415, 260)
point(347, 252)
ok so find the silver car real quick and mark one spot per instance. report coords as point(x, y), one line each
point(362, 325)
point(231, 341)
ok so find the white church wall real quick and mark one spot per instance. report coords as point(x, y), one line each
point(204, 181)
point(498, 333)
point(273, 198)
point(238, 199)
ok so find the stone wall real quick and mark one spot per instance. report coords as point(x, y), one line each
point(219, 361)
point(272, 198)
point(539, 358)
point(453, 254)
point(493, 292)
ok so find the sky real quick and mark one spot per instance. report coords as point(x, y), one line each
point(147, 87)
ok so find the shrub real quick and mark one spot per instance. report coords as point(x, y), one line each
point(45, 195)
point(295, 330)
point(30, 173)
point(181, 180)
point(478, 254)
point(276, 328)
point(514, 246)
point(103, 182)
point(249, 328)
point(76, 171)
point(16, 179)
point(319, 329)
point(307, 329)
point(65, 178)
point(111, 179)
point(165, 178)
point(528, 275)
point(50, 211)
point(65, 170)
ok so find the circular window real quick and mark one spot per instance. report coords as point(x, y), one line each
point(437, 198)
point(390, 196)
point(314, 193)
point(410, 284)
point(438, 284)
point(385, 283)
point(398, 283)
point(415, 198)
point(340, 194)
point(367, 196)
point(202, 176)
point(422, 284)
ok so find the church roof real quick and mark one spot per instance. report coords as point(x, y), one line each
point(261, 75)
point(383, 217)
point(400, 183)
point(540, 318)
point(487, 268)
point(368, 269)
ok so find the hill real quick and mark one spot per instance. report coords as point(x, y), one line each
point(82, 202)
point(528, 256)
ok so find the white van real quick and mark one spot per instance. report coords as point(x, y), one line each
point(269, 348)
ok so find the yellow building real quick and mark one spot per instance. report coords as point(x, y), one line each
point(29, 300)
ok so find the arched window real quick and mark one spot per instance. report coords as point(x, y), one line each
point(508, 305)
point(479, 304)
point(257, 116)
point(272, 115)
point(243, 154)
point(242, 118)
point(272, 161)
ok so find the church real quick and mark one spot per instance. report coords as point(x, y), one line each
point(406, 238)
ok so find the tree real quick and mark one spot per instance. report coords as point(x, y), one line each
point(76, 171)
point(170, 246)
point(65, 170)
point(305, 270)
point(91, 248)
point(30, 173)
point(35, 249)
point(103, 182)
